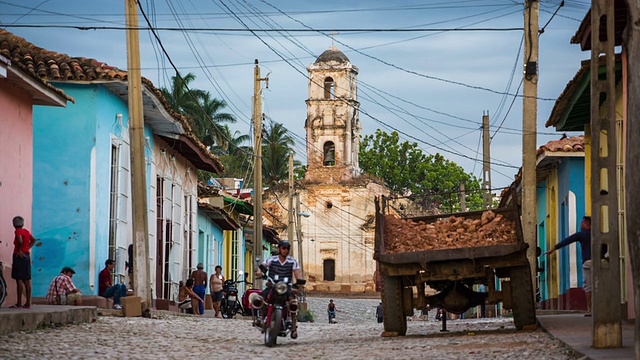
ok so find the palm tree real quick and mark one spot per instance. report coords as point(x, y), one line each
point(208, 124)
point(237, 158)
point(232, 142)
point(178, 96)
point(277, 145)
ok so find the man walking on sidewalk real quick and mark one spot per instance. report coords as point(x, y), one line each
point(584, 238)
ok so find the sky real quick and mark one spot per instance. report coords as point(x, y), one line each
point(427, 69)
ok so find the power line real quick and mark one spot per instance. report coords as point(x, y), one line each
point(261, 30)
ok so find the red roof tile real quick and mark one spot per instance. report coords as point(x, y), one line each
point(49, 65)
point(565, 144)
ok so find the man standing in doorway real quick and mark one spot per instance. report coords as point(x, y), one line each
point(584, 238)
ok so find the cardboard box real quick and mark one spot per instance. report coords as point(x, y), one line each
point(131, 306)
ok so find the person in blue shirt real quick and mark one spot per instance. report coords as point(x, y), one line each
point(584, 238)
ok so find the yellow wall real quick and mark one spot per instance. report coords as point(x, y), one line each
point(587, 170)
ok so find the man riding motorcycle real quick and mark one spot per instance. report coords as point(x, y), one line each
point(282, 265)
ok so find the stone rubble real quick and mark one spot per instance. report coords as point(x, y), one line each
point(355, 336)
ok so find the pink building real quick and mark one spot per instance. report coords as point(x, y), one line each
point(20, 90)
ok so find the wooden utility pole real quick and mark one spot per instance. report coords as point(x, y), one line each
point(605, 245)
point(631, 44)
point(486, 162)
point(463, 202)
point(257, 168)
point(302, 293)
point(299, 234)
point(529, 128)
point(141, 278)
point(290, 227)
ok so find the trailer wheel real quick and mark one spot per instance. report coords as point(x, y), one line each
point(393, 313)
point(524, 312)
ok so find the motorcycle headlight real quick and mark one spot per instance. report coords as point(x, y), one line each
point(281, 288)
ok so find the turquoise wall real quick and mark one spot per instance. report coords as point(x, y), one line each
point(208, 227)
point(67, 141)
point(570, 179)
point(541, 196)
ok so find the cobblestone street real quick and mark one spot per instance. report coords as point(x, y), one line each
point(356, 336)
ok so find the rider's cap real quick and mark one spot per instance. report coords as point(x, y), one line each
point(284, 244)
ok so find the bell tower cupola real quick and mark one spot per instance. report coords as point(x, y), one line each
point(332, 125)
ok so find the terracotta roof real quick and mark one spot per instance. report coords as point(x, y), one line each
point(219, 216)
point(52, 66)
point(6, 54)
point(565, 144)
point(572, 109)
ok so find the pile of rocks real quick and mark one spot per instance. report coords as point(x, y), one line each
point(447, 233)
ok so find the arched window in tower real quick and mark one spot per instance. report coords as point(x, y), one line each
point(329, 154)
point(329, 270)
point(329, 88)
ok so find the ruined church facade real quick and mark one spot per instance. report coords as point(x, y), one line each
point(338, 234)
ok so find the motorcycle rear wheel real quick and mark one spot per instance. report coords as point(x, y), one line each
point(231, 310)
point(271, 335)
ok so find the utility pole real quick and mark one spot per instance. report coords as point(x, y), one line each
point(463, 202)
point(605, 244)
point(299, 234)
point(303, 292)
point(141, 278)
point(631, 42)
point(290, 228)
point(257, 168)
point(486, 162)
point(529, 128)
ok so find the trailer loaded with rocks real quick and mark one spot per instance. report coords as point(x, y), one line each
point(450, 253)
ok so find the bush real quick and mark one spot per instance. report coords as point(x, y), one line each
point(306, 316)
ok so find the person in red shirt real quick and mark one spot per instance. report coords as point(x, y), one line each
point(23, 241)
point(107, 290)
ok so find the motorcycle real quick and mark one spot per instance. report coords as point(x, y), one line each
point(246, 303)
point(332, 316)
point(230, 306)
point(281, 314)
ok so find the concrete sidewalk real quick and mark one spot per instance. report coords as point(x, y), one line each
point(12, 320)
point(575, 331)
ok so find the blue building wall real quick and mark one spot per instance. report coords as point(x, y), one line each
point(208, 227)
point(541, 196)
point(72, 158)
point(570, 180)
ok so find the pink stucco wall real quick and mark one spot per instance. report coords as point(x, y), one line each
point(16, 170)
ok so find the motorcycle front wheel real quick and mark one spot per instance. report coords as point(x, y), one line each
point(271, 335)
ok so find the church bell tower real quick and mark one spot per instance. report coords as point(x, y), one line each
point(332, 125)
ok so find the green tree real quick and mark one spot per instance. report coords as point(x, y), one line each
point(178, 96)
point(210, 123)
point(277, 144)
point(406, 170)
point(238, 158)
point(204, 112)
